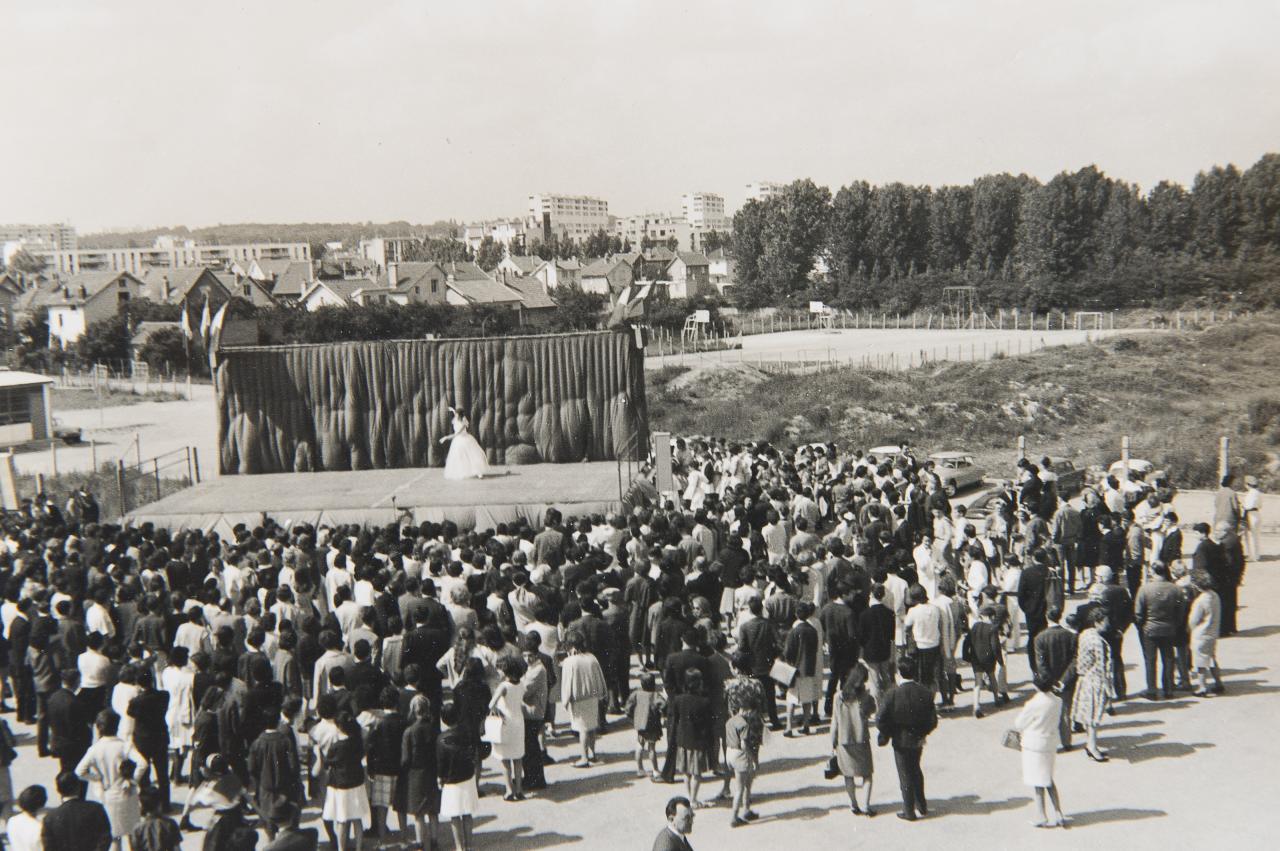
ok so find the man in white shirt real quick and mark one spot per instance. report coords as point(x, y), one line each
point(346, 610)
point(98, 617)
point(895, 597)
point(1251, 509)
point(924, 622)
point(24, 827)
point(100, 766)
point(336, 577)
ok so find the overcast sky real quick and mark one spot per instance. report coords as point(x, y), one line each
point(159, 113)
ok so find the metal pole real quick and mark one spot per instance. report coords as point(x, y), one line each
point(124, 500)
point(195, 462)
point(93, 453)
point(1224, 460)
point(156, 464)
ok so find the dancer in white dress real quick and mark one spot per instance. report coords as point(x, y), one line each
point(466, 458)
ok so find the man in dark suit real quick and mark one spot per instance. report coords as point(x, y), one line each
point(78, 823)
point(759, 638)
point(1115, 598)
point(70, 730)
point(840, 626)
point(1031, 599)
point(907, 716)
point(151, 732)
point(673, 673)
point(1055, 653)
point(675, 836)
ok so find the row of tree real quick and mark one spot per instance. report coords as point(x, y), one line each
point(1081, 239)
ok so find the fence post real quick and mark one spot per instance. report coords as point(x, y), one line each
point(93, 454)
point(137, 445)
point(1224, 460)
point(1022, 446)
point(39, 484)
point(156, 465)
point(195, 462)
point(124, 499)
point(1124, 455)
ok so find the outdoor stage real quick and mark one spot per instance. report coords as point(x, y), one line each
point(382, 496)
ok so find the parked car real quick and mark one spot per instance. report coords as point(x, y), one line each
point(956, 470)
point(70, 435)
point(984, 503)
point(1136, 465)
point(1070, 477)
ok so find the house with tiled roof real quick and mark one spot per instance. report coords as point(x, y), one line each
point(559, 273)
point(689, 273)
point(332, 292)
point(77, 301)
point(11, 290)
point(607, 275)
point(523, 266)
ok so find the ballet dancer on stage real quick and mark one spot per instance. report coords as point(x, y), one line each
point(466, 458)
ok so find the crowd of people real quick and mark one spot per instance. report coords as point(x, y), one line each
point(375, 673)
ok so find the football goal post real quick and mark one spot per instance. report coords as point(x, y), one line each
point(1088, 320)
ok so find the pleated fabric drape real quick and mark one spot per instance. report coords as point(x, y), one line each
point(373, 405)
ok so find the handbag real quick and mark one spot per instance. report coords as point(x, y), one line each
point(783, 673)
point(492, 729)
point(1012, 740)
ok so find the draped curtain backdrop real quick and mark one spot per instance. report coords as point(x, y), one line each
point(358, 406)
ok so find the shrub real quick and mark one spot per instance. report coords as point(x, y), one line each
point(1262, 413)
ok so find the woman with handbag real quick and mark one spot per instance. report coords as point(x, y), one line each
point(851, 738)
point(582, 687)
point(1037, 726)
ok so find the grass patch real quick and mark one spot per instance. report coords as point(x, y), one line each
point(1174, 394)
point(81, 398)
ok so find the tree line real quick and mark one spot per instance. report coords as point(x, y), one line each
point(1081, 240)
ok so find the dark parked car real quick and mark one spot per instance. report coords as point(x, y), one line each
point(1070, 477)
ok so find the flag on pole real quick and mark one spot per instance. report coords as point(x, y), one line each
point(186, 323)
point(215, 333)
point(204, 323)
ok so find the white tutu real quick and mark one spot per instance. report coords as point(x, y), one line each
point(466, 458)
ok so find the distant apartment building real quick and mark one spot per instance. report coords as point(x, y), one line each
point(168, 253)
point(386, 249)
point(567, 216)
point(55, 237)
point(506, 232)
point(763, 190)
point(704, 210)
point(657, 227)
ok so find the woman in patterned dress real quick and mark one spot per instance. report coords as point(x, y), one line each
point(1094, 683)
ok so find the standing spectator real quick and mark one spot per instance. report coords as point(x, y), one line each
point(536, 690)
point(1157, 612)
point(1251, 519)
point(851, 739)
point(985, 655)
point(840, 630)
point(149, 709)
point(76, 823)
point(422, 793)
point(1032, 588)
point(457, 765)
point(1203, 625)
point(924, 629)
point(744, 732)
point(1094, 682)
point(675, 836)
point(582, 687)
point(906, 718)
point(346, 801)
point(876, 626)
point(645, 707)
point(45, 680)
point(101, 764)
point(288, 836)
point(758, 638)
point(275, 766)
point(24, 827)
point(690, 713)
point(1056, 660)
point(1114, 598)
point(803, 652)
point(508, 703)
point(1226, 505)
point(1038, 724)
point(124, 810)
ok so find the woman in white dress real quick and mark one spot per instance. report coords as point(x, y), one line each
point(1038, 724)
point(179, 681)
point(508, 703)
point(466, 458)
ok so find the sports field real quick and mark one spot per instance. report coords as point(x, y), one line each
point(888, 348)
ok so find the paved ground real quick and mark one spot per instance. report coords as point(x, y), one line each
point(889, 348)
point(1183, 773)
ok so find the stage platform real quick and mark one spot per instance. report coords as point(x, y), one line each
point(382, 496)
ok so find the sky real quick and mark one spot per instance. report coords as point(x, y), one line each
point(152, 114)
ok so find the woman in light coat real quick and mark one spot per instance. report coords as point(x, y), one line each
point(1204, 622)
point(1038, 724)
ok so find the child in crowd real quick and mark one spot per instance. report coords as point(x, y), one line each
point(691, 725)
point(645, 708)
point(157, 832)
point(456, 765)
point(743, 733)
point(122, 805)
point(985, 654)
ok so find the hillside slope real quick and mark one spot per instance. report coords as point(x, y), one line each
point(1174, 394)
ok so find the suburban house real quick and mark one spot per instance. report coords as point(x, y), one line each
point(652, 263)
point(690, 275)
point(513, 266)
point(144, 332)
point(559, 273)
point(721, 270)
point(537, 307)
point(416, 282)
point(79, 300)
point(283, 279)
point(606, 276)
point(10, 291)
point(332, 293)
point(255, 292)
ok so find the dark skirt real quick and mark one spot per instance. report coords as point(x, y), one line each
point(422, 792)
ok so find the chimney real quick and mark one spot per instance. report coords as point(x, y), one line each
point(393, 274)
point(164, 288)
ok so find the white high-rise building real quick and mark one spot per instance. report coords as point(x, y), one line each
point(567, 216)
point(764, 189)
point(704, 210)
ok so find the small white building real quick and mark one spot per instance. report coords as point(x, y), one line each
point(24, 407)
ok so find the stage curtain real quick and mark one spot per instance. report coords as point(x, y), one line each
point(376, 405)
